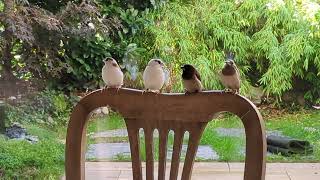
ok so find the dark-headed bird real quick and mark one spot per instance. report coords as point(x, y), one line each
point(230, 77)
point(191, 79)
point(112, 74)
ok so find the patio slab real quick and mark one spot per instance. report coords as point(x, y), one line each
point(202, 170)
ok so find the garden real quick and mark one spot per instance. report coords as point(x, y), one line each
point(52, 54)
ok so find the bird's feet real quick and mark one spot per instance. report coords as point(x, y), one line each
point(156, 92)
point(112, 87)
point(189, 93)
point(118, 88)
point(153, 91)
point(233, 91)
point(146, 90)
point(236, 91)
point(227, 90)
point(104, 88)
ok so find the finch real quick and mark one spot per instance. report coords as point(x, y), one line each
point(112, 74)
point(230, 76)
point(154, 75)
point(191, 79)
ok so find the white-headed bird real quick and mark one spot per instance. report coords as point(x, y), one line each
point(230, 76)
point(112, 74)
point(154, 75)
point(191, 79)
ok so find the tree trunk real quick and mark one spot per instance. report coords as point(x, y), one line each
point(2, 117)
point(7, 73)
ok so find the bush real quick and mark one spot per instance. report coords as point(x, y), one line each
point(274, 42)
point(51, 108)
point(84, 56)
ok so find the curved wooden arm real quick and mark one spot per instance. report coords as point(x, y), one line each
point(199, 107)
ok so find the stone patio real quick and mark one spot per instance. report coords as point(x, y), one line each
point(212, 171)
point(109, 151)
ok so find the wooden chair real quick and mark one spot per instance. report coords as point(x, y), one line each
point(177, 112)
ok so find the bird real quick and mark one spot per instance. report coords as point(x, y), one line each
point(112, 74)
point(154, 75)
point(191, 79)
point(230, 77)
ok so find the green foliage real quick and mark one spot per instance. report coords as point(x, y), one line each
point(228, 148)
point(20, 159)
point(50, 108)
point(110, 122)
point(276, 40)
point(1, 6)
point(40, 29)
point(84, 56)
point(85, 60)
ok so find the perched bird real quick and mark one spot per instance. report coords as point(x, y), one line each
point(191, 79)
point(230, 76)
point(154, 75)
point(112, 74)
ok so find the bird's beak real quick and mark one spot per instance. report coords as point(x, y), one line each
point(182, 67)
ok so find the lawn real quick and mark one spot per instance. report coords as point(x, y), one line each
point(304, 125)
point(20, 159)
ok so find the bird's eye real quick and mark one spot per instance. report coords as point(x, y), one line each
point(158, 61)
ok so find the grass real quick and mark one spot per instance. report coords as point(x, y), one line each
point(302, 125)
point(226, 147)
point(112, 121)
point(20, 159)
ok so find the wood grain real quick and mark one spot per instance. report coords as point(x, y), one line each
point(148, 132)
point(177, 144)
point(166, 112)
point(163, 140)
point(133, 133)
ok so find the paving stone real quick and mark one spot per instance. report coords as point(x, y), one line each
point(204, 153)
point(107, 150)
point(110, 133)
point(239, 132)
point(206, 170)
point(124, 133)
point(112, 150)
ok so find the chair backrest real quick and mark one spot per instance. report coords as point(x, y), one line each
point(195, 130)
point(164, 112)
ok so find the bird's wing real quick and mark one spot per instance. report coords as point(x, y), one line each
point(145, 73)
point(104, 74)
point(197, 74)
point(166, 76)
point(238, 73)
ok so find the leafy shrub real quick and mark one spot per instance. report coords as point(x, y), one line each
point(274, 42)
point(84, 56)
point(51, 108)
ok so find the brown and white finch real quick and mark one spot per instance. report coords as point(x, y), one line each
point(230, 76)
point(154, 75)
point(191, 79)
point(112, 74)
